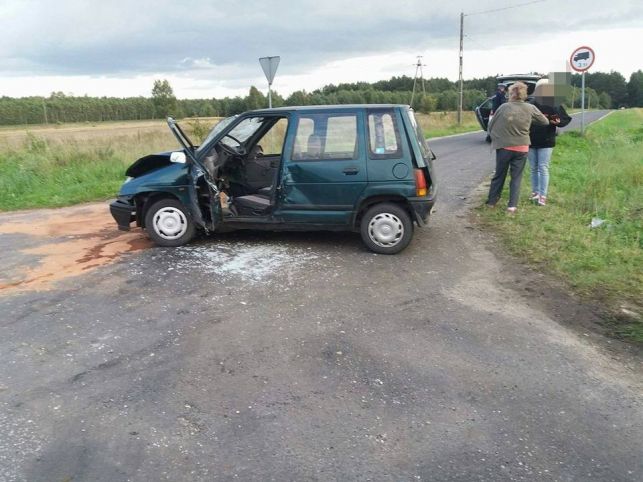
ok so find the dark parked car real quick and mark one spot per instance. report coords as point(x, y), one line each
point(363, 168)
point(484, 109)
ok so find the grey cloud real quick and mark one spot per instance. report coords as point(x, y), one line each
point(116, 38)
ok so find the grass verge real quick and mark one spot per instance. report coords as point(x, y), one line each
point(438, 124)
point(596, 176)
point(76, 163)
point(47, 173)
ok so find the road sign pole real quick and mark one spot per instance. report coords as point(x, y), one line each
point(270, 96)
point(581, 60)
point(582, 104)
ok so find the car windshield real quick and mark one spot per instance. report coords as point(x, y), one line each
point(243, 131)
point(216, 130)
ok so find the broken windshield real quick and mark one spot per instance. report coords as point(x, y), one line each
point(242, 131)
point(216, 130)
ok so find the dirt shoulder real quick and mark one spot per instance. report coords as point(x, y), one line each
point(41, 247)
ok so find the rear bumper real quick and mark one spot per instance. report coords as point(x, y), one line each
point(123, 212)
point(421, 209)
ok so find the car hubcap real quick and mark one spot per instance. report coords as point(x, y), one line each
point(385, 230)
point(170, 223)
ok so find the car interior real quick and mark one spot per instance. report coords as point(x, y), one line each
point(245, 165)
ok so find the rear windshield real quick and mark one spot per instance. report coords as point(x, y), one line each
point(419, 134)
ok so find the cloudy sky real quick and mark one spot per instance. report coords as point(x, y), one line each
point(210, 48)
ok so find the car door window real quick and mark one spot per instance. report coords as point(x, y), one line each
point(326, 136)
point(384, 137)
point(305, 128)
point(272, 142)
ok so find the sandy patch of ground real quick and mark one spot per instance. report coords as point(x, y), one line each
point(73, 241)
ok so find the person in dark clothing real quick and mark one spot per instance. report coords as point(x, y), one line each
point(543, 140)
point(498, 99)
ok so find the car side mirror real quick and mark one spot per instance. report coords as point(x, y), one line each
point(178, 157)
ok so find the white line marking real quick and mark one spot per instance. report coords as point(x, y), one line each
point(453, 135)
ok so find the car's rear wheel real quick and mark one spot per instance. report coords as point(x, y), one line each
point(386, 228)
point(168, 223)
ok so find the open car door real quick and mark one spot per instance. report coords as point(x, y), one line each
point(196, 171)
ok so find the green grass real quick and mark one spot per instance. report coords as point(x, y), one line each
point(59, 173)
point(438, 124)
point(600, 175)
point(73, 163)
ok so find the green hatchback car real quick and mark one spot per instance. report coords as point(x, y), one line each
point(363, 168)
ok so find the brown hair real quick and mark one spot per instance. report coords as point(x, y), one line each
point(518, 91)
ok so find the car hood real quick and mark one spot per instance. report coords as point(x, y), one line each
point(149, 163)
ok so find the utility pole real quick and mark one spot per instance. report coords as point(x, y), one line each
point(462, 15)
point(44, 110)
point(460, 75)
point(418, 69)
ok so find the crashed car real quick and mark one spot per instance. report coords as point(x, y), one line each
point(363, 168)
point(484, 109)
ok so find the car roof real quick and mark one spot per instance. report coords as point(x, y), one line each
point(329, 107)
point(517, 77)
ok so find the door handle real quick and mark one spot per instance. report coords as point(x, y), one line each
point(350, 171)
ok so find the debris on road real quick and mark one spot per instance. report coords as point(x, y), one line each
point(248, 261)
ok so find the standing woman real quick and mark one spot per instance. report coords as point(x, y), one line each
point(509, 131)
point(543, 140)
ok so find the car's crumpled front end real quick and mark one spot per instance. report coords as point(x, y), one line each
point(151, 173)
point(123, 210)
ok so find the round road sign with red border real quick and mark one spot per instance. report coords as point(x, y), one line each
point(582, 59)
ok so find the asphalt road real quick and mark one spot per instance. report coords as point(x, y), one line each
point(280, 356)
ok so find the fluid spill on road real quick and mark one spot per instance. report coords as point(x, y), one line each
point(70, 241)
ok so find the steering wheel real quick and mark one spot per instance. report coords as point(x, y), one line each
point(231, 151)
point(235, 151)
point(233, 138)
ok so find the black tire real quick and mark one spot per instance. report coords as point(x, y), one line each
point(168, 223)
point(386, 228)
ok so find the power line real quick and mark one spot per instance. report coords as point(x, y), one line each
point(477, 42)
point(504, 8)
point(461, 54)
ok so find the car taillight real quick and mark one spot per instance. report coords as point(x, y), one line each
point(420, 183)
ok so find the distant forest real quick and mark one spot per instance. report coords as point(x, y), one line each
point(605, 90)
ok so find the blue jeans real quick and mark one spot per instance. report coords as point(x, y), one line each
point(539, 165)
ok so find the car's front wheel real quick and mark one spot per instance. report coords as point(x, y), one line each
point(168, 223)
point(386, 228)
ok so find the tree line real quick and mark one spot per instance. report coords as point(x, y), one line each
point(605, 90)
